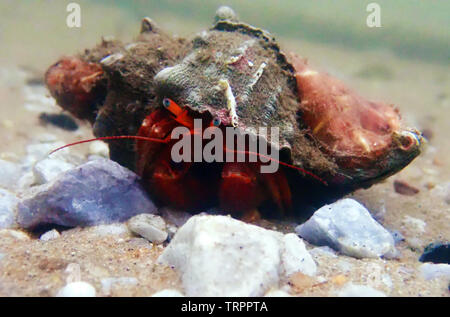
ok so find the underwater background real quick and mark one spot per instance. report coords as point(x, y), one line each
point(405, 62)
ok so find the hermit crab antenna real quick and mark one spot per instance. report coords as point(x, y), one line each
point(117, 137)
point(279, 162)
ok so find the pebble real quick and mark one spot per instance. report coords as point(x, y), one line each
point(40, 151)
point(15, 234)
point(403, 188)
point(150, 227)
point(221, 256)
point(416, 223)
point(99, 148)
point(48, 169)
point(77, 289)
point(347, 227)
point(97, 192)
point(436, 253)
point(50, 235)
point(9, 174)
point(73, 271)
point(109, 282)
point(431, 271)
point(8, 205)
point(355, 290)
point(168, 293)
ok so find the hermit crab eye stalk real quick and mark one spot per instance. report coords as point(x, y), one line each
point(166, 102)
point(216, 122)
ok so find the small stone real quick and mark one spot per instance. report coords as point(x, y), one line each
point(97, 192)
point(403, 188)
point(295, 257)
point(8, 206)
point(431, 271)
point(221, 256)
point(418, 224)
point(48, 169)
point(354, 290)
point(9, 174)
point(109, 282)
point(15, 234)
point(73, 271)
point(99, 148)
point(77, 289)
point(168, 293)
point(40, 151)
point(50, 235)
point(347, 227)
point(436, 253)
point(150, 227)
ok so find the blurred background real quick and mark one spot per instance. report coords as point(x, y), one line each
point(405, 62)
point(34, 31)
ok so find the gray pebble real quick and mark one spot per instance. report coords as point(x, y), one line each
point(8, 206)
point(48, 169)
point(347, 227)
point(431, 271)
point(150, 227)
point(9, 174)
point(97, 192)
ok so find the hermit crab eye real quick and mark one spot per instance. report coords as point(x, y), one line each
point(216, 122)
point(166, 102)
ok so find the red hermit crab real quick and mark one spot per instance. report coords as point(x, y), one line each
point(331, 140)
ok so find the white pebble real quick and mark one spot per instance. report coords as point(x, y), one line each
point(49, 168)
point(150, 227)
point(50, 235)
point(77, 289)
point(221, 256)
point(99, 148)
point(431, 271)
point(8, 205)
